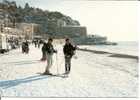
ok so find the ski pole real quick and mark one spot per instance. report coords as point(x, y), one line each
point(57, 64)
point(56, 61)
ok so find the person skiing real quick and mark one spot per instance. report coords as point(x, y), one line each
point(49, 54)
point(68, 51)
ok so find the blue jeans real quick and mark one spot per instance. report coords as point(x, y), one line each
point(67, 64)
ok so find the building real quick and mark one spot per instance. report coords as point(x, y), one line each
point(73, 31)
point(29, 29)
point(70, 30)
point(61, 23)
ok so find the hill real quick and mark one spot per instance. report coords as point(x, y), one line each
point(48, 20)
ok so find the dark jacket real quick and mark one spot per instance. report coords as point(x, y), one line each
point(49, 48)
point(26, 44)
point(44, 47)
point(69, 50)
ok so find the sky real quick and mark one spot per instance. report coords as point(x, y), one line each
point(115, 19)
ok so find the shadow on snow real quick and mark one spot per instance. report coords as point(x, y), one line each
point(12, 83)
point(23, 62)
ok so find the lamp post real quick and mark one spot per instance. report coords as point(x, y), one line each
point(32, 31)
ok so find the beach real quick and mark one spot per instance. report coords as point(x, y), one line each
point(92, 75)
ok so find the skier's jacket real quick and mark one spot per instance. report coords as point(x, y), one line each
point(69, 50)
point(49, 49)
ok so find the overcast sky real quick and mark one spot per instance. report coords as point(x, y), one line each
point(114, 19)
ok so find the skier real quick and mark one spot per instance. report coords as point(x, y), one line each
point(68, 51)
point(49, 54)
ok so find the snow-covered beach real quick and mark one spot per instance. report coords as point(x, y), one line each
point(92, 75)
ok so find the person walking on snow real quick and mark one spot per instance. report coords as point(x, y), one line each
point(49, 54)
point(68, 51)
point(44, 51)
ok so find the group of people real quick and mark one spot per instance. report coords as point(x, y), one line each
point(48, 51)
point(37, 42)
point(13, 43)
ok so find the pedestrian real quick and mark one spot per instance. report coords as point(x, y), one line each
point(26, 47)
point(44, 51)
point(49, 54)
point(39, 43)
point(23, 47)
point(68, 51)
point(35, 42)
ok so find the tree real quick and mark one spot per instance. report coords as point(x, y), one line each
point(55, 15)
point(6, 2)
point(26, 6)
point(48, 20)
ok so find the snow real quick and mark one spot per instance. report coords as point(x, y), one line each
point(92, 75)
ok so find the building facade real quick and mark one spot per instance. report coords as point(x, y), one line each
point(73, 31)
point(29, 29)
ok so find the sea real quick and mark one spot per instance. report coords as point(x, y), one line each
point(123, 47)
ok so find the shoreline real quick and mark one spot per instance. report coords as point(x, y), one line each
point(111, 54)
